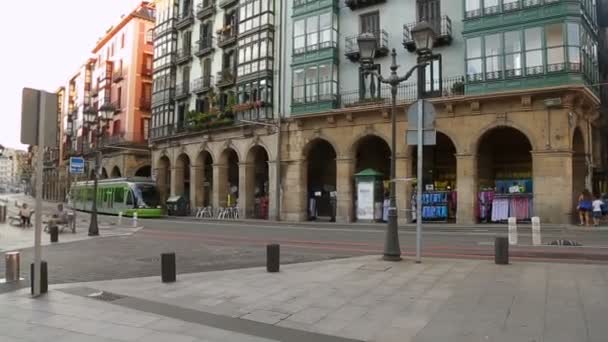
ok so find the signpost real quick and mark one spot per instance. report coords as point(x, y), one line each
point(36, 108)
point(76, 165)
point(421, 131)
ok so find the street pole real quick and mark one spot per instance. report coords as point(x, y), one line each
point(277, 190)
point(39, 174)
point(419, 173)
point(93, 227)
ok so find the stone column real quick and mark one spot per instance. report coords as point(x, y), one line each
point(177, 181)
point(220, 185)
point(345, 169)
point(246, 189)
point(404, 188)
point(295, 201)
point(195, 185)
point(273, 201)
point(554, 192)
point(466, 188)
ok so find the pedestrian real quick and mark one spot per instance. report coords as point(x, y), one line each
point(584, 207)
point(597, 210)
point(25, 213)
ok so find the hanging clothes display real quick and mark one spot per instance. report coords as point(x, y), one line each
point(500, 209)
point(435, 205)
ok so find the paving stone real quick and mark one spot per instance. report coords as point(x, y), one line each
point(263, 316)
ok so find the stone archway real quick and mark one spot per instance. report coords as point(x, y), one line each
point(115, 172)
point(182, 176)
point(504, 170)
point(228, 181)
point(257, 183)
point(370, 152)
point(104, 173)
point(321, 178)
point(203, 179)
point(163, 178)
point(144, 171)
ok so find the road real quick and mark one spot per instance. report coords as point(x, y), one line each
point(210, 245)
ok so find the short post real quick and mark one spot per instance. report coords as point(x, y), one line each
point(168, 267)
point(512, 230)
point(501, 251)
point(536, 237)
point(120, 218)
point(44, 283)
point(54, 233)
point(135, 220)
point(2, 213)
point(12, 264)
point(273, 255)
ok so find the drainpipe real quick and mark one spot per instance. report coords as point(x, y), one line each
point(277, 194)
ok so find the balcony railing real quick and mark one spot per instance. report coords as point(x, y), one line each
point(204, 46)
point(145, 104)
point(146, 71)
point(443, 31)
point(356, 4)
point(406, 93)
point(123, 138)
point(182, 90)
point(352, 48)
point(226, 77)
point(202, 84)
point(506, 7)
point(117, 106)
point(226, 35)
point(117, 76)
point(183, 55)
point(205, 8)
point(184, 20)
point(227, 3)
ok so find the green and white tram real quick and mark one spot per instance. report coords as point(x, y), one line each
point(127, 195)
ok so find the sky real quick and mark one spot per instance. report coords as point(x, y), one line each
point(45, 42)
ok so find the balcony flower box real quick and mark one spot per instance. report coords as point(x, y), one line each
point(242, 107)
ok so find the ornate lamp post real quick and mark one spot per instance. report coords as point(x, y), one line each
point(97, 122)
point(424, 37)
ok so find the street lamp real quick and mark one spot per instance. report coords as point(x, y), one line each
point(97, 121)
point(424, 38)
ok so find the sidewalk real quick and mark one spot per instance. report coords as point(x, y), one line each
point(361, 299)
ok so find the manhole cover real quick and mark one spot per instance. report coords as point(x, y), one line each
point(565, 243)
point(105, 296)
point(377, 268)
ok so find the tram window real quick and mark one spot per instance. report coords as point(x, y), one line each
point(119, 195)
point(130, 198)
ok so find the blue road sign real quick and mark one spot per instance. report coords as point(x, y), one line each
point(76, 165)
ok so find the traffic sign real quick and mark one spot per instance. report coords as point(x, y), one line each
point(76, 165)
point(428, 123)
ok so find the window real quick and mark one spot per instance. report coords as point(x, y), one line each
point(298, 86)
point(431, 78)
point(370, 22)
point(428, 10)
point(122, 41)
point(315, 83)
point(311, 84)
point(472, 8)
point(512, 47)
point(474, 68)
point(509, 5)
point(490, 6)
point(493, 53)
point(314, 33)
point(555, 47)
point(574, 46)
point(534, 53)
point(119, 195)
point(299, 34)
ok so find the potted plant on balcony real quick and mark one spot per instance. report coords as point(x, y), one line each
point(458, 87)
point(258, 104)
point(230, 103)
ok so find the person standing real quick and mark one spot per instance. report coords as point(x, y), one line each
point(584, 207)
point(597, 210)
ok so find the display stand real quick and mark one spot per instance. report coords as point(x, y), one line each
point(370, 195)
point(435, 206)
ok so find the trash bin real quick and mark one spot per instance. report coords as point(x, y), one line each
point(2, 213)
point(177, 206)
point(12, 266)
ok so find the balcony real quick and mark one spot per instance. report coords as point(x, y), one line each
point(95, 92)
point(204, 47)
point(205, 9)
point(117, 106)
point(357, 4)
point(182, 91)
point(164, 62)
point(123, 138)
point(163, 96)
point(352, 48)
point(118, 76)
point(226, 36)
point(164, 28)
point(184, 20)
point(146, 71)
point(226, 77)
point(202, 84)
point(228, 3)
point(443, 31)
point(183, 56)
point(145, 104)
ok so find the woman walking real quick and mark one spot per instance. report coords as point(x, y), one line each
point(584, 208)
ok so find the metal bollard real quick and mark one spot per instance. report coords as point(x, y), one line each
point(273, 257)
point(2, 213)
point(44, 284)
point(168, 267)
point(54, 233)
point(512, 230)
point(12, 264)
point(135, 220)
point(501, 251)
point(120, 218)
point(536, 237)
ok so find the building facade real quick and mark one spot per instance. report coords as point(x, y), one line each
point(213, 100)
point(118, 75)
point(514, 84)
